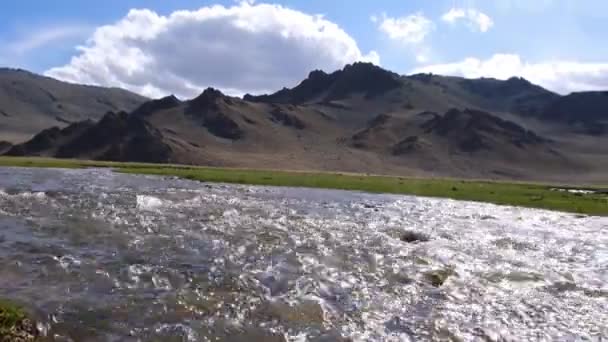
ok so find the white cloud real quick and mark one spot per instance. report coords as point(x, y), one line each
point(32, 40)
point(371, 57)
point(474, 19)
point(243, 48)
point(411, 29)
point(422, 58)
point(560, 76)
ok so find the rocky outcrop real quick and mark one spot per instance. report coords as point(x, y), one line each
point(471, 130)
point(413, 237)
point(378, 123)
point(40, 142)
point(205, 101)
point(588, 110)
point(222, 126)
point(206, 108)
point(46, 141)
point(408, 145)
point(145, 144)
point(119, 137)
point(5, 146)
point(282, 117)
point(520, 95)
point(320, 87)
point(111, 128)
point(153, 106)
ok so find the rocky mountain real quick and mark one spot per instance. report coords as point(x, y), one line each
point(515, 95)
point(359, 78)
point(463, 141)
point(586, 111)
point(210, 129)
point(364, 85)
point(5, 146)
point(467, 131)
point(30, 103)
point(358, 119)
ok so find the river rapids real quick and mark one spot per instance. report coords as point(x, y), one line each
point(102, 256)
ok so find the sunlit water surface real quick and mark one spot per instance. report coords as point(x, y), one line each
point(100, 256)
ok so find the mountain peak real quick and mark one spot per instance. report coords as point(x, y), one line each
point(519, 82)
point(518, 79)
point(211, 93)
point(208, 99)
point(361, 66)
point(171, 98)
point(14, 70)
point(316, 74)
point(357, 78)
point(364, 78)
point(208, 96)
point(154, 105)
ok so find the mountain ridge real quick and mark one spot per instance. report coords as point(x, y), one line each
point(30, 103)
point(358, 119)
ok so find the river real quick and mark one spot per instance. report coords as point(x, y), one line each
point(102, 256)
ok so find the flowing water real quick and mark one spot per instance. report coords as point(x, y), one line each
point(100, 256)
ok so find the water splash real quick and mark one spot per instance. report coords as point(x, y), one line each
point(111, 257)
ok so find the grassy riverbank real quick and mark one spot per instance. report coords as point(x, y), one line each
point(517, 194)
point(15, 324)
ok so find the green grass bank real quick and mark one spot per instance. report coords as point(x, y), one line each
point(15, 324)
point(543, 196)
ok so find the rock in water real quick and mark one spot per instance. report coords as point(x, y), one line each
point(413, 237)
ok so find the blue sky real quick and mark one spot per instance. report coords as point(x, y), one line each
point(559, 44)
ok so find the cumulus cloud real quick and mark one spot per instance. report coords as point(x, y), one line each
point(244, 48)
point(560, 76)
point(411, 29)
point(473, 18)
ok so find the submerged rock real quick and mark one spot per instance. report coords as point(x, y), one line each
point(414, 237)
point(306, 313)
point(438, 277)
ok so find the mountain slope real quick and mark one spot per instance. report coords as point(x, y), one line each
point(359, 78)
point(30, 103)
point(214, 129)
point(461, 142)
point(360, 119)
point(584, 111)
point(359, 92)
point(515, 95)
point(210, 129)
point(5, 146)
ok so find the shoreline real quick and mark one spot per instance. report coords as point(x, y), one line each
point(558, 197)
